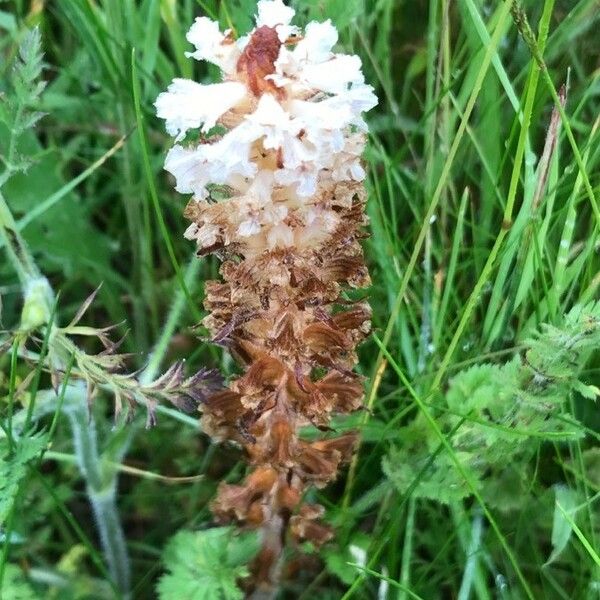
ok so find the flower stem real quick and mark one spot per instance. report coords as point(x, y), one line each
point(37, 293)
point(101, 488)
point(17, 249)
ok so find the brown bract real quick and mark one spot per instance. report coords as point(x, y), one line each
point(281, 313)
point(258, 60)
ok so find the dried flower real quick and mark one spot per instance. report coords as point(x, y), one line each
point(276, 178)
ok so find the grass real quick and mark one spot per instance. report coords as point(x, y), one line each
point(477, 238)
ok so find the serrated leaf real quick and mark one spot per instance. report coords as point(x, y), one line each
point(591, 392)
point(414, 467)
point(499, 414)
point(561, 526)
point(13, 468)
point(205, 565)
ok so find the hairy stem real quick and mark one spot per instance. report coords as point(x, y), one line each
point(17, 249)
point(102, 491)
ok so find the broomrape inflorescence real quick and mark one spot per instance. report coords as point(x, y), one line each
point(276, 178)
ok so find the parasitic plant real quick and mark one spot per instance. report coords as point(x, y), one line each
point(278, 195)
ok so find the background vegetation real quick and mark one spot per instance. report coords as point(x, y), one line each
point(479, 470)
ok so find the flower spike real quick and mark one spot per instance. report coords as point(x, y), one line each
point(276, 179)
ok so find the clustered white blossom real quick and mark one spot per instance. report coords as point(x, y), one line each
point(303, 129)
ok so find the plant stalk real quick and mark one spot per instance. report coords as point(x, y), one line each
point(101, 489)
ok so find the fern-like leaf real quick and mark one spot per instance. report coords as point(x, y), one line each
point(206, 565)
point(13, 468)
point(498, 415)
point(17, 105)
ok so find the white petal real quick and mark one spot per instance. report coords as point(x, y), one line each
point(273, 121)
point(280, 235)
point(207, 235)
point(273, 12)
point(348, 169)
point(297, 152)
point(188, 105)
point(222, 163)
point(185, 165)
point(331, 113)
point(191, 232)
point(284, 32)
point(286, 66)
point(205, 35)
point(317, 42)
point(357, 171)
point(361, 97)
point(212, 45)
point(304, 179)
point(248, 228)
point(335, 75)
point(262, 187)
point(274, 214)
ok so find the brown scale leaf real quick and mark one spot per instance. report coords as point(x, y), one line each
point(280, 313)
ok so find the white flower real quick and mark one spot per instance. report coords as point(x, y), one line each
point(346, 165)
point(316, 45)
point(303, 124)
point(189, 105)
point(335, 75)
point(274, 122)
point(274, 214)
point(280, 236)
point(205, 236)
point(222, 163)
point(249, 227)
point(274, 13)
point(330, 114)
point(361, 99)
point(271, 13)
point(303, 178)
point(212, 45)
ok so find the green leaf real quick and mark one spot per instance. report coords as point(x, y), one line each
point(561, 352)
point(561, 526)
point(8, 21)
point(13, 468)
point(15, 585)
point(340, 561)
point(414, 466)
point(499, 415)
point(591, 392)
point(205, 565)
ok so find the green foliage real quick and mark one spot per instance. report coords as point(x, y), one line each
point(562, 527)
point(15, 586)
point(498, 415)
point(558, 352)
point(13, 467)
point(341, 12)
point(17, 105)
point(206, 565)
point(341, 561)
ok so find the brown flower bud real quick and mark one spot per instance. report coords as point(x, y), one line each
point(258, 60)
